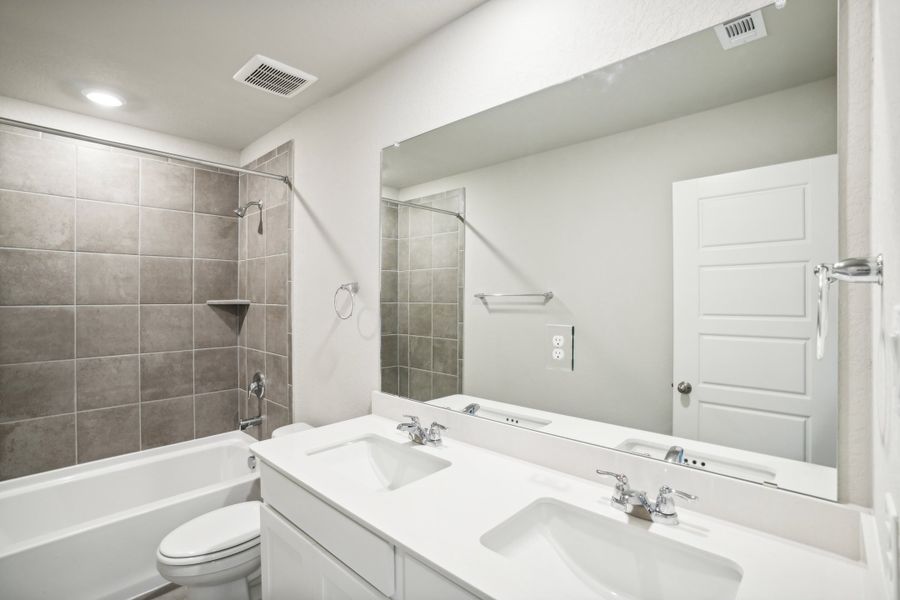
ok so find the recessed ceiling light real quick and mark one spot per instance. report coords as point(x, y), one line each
point(103, 98)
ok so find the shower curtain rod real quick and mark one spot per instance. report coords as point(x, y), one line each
point(121, 146)
point(423, 207)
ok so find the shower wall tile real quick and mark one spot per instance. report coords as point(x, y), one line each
point(32, 334)
point(106, 330)
point(98, 259)
point(276, 416)
point(167, 327)
point(107, 176)
point(166, 422)
point(39, 165)
point(215, 193)
point(276, 329)
point(166, 375)
point(104, 227)
point(215, 370)
point(107, 381)
point(277, 234)
point(108, 432)
point(277, 378)
point(427, 256)
point(36, 445)
point(215, 326)
point(276, 272)
point(107, 279)
point(166, 233)
point(167, 185)
point(32, 277)
point(215, 237)
point(388, 286)
point(214, 280)
point(34, 390)
point(35, 221)
point(166, 280)
point(256, 280)
point(254, 326)
point(216, 412)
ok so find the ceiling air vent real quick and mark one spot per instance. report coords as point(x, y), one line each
point(741, 30)
point(274, 77)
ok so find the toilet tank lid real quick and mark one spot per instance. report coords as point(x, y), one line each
point(292, 428)
point(215, 531)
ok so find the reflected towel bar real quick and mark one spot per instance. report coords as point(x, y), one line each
point(545, 295)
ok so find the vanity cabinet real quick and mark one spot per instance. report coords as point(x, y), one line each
point(312, 551)
point(294, 567)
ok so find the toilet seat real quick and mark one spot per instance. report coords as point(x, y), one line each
point(214, 536)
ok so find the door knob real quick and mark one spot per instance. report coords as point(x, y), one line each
point(685, 388)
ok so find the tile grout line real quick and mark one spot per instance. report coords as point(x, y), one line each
point(193, 319)
point(75, 299)
point(140, 390)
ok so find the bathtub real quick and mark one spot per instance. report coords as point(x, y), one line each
point(90, 531)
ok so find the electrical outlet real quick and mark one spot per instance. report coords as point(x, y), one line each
point(560, 354)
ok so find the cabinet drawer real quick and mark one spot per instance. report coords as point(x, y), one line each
point(354, 545)
point(295, 567)
point(421, 582)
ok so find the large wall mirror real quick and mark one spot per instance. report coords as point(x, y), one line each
point(628, 258)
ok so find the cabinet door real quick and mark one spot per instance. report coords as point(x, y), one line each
point(294, 567)
point(422, 583)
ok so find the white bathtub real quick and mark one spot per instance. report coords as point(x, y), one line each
point(90, 531)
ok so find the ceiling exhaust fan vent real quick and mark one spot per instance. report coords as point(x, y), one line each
point(747, 28)
point(274, 77)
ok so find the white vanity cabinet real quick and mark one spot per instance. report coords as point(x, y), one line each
point(312, 551)
point(294, 567)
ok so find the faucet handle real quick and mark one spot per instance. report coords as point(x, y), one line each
point(665, 503)
point(434, 432)
point(620, 477)
point(412, 418)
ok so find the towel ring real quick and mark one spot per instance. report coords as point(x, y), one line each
point(351, 288)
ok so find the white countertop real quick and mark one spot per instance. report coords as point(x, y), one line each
point(441, 518)
point(795, 475)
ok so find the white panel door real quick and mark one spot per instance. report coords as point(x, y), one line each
point(294, 567)
point(745, 244)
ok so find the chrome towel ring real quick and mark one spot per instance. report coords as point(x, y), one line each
point(351, 288)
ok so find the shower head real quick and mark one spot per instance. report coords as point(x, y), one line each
point(243, 210)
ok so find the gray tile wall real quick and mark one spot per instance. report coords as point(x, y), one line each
point(264, 271)
point(106, 343)
point(422, 264)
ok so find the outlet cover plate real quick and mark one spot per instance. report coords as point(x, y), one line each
point(559, 347)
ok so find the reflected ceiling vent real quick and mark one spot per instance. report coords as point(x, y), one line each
point(741, 30)
point(274, 77)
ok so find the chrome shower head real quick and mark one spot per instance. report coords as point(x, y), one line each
point(243, 210)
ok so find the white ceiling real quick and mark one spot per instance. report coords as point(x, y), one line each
point(172, 60)
point(687, 76)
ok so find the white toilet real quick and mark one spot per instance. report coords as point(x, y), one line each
point(216, 554)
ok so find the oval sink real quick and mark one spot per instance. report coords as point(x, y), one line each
point(376, 464)
point(587, 555)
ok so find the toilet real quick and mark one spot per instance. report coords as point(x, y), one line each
point(216, 555)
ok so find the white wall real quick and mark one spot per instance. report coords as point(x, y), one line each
point(593, 222)
point(29, 112)
point(885, 224)
point(500, 51)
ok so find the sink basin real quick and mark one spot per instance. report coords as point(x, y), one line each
point(587, 555)
point(717, 464)
point(376, 464)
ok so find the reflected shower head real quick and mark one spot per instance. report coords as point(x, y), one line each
point(243, 210)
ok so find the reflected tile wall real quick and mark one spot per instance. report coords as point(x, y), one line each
point(106, 343)
point(422, 258)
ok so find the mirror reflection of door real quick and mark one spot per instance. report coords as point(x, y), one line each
point(745, 244)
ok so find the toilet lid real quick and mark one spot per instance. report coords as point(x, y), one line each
point(214, 532)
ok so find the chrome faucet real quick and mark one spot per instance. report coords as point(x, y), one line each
point(471, 409)
point(675, 455)
point(637, 504)
point(256, 387)
point(420, 435)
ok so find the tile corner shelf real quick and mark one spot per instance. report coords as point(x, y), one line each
point(230, 302)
